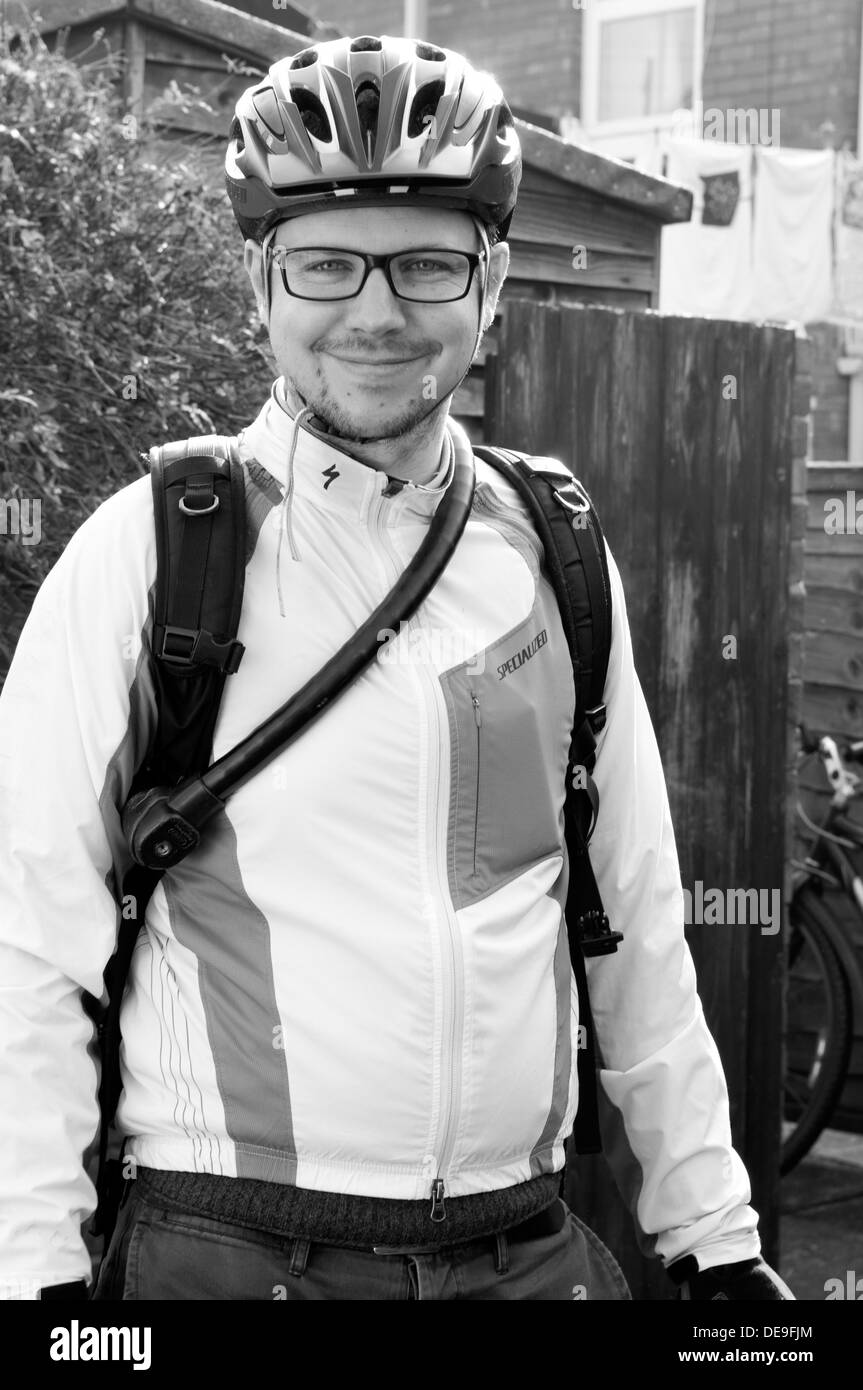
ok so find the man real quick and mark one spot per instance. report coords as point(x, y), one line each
point(350, 1032)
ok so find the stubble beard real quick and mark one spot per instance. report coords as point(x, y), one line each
point(412, 424)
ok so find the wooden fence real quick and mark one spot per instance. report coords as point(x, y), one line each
point(833, 681)
point(681, 430)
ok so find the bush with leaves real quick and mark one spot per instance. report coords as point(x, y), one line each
point(125, 316)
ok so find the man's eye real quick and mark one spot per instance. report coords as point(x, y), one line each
point(328, 267)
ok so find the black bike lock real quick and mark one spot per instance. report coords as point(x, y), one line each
point(163, 824)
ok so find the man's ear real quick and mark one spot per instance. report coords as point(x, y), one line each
point(497, 270)
point(253, 260)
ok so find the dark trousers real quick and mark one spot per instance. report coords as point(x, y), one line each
point(160, 1254)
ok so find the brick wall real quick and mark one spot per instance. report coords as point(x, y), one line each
point(801, 445)
point(359, 16)
point(800, 57)
point(534, 51)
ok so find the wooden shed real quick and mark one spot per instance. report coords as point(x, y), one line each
point(587, 228)
point(171, 45)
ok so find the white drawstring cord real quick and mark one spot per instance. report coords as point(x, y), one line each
point(285, 520)
point(483, 297)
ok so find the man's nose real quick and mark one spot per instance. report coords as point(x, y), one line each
point(376, 308)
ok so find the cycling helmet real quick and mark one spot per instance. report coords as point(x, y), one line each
point(358, 121)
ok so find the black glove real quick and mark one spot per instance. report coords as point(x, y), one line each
point(748, 1281)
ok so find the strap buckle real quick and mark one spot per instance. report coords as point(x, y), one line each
point(572, 490)
point(595, 934)
point(178, 636)
point(198, 511)
point(189, 646)
point(565, 487)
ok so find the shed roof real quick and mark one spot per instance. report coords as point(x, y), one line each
point(609, 178)
point(211, 22)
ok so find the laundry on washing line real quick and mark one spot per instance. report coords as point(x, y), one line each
point(792, 234)
point(706, 266)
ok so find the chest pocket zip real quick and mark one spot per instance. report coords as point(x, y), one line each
point(477, 714)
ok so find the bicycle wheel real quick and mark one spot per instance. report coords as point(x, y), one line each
point(818, 1028)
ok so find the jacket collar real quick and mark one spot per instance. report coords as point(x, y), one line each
point(333, 480)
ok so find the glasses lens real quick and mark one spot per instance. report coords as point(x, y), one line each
point(431, 275)
point(315, 274)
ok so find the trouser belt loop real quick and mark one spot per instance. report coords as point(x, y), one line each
point(501, 1253)
point(299, 1257)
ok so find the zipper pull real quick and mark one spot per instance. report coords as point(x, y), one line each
point(476, 712)
point(438, 1211)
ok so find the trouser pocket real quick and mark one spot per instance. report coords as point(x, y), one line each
point(601, 1275)
point(158, 1254)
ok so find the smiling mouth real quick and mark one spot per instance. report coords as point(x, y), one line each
point(376, 361)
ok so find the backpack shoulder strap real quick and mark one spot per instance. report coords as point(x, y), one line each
point(569, 528)
point(576, 563)
point(199, 506)
point(200, 513)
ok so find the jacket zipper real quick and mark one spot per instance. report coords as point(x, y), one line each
point(438, 1209)
point(453, 1003)
point(477, 714)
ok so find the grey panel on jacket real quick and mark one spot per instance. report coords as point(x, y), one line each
point(510, 715)
point(212, 914)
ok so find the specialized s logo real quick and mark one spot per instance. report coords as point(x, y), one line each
point(330, 474)
point(520, 657)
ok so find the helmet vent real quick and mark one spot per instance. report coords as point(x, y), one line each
point(368, 105)
point(366, 44)
point(312, 114)
point(267, 108)
point(430, 53)
point(504, 118)
point(423, 106)
point(304, 59)
point(236, 133)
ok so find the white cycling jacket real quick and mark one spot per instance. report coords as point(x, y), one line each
point(360, 982)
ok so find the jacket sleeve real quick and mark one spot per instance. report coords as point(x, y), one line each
point(666, 1127)
point(67, 751)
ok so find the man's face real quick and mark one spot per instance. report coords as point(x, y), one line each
point(375, 366)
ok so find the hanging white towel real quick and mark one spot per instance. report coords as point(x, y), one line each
point(792, 245)
point(707, 269)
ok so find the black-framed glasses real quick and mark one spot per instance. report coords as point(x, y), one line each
point(426, 275)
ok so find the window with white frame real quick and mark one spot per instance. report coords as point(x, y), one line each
point(641, 62)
